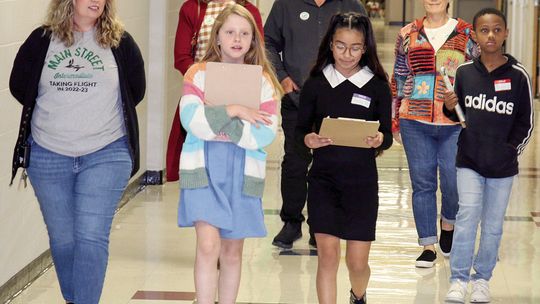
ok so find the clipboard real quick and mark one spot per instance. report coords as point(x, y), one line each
point(348, 132)
point(229, 83)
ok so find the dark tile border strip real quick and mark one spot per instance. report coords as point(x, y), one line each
point(512, 218)
point(277, 211)
point(529, 175)
point(271, 212)
point(295, 252)
point(35, 269)
point(174, 296)
point(509, 218)
point(164, 295)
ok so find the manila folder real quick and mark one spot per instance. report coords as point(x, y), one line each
point(348, 132)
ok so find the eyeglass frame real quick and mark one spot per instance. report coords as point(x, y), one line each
point(351, 48)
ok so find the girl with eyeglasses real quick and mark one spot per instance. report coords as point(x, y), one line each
point(346, 81)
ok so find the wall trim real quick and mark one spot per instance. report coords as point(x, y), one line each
point(35, 269)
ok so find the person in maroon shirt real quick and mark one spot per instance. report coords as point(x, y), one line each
point(191, 16)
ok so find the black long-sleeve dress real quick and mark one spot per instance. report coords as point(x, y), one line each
point(343, 182)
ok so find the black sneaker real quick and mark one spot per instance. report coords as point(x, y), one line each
point(312, 240)
point(445, 241)
point(426, 259)
point(355, 300)
point(289, 233)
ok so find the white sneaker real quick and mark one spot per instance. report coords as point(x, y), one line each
point(457, 292)
point(480, 291)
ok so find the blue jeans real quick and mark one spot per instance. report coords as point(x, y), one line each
point(78, 197)
point(481, 200)
point(431, 148)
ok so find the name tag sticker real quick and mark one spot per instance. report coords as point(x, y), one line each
point(503, 85)
point(361, 100)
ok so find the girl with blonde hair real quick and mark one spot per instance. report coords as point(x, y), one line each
point(255, 55)
point(79, 77)
point(222, 167)
point(195, 21)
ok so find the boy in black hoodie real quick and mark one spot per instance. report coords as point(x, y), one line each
point(495, 94)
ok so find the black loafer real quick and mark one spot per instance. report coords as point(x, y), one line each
point(445, 241)
point(426, 259)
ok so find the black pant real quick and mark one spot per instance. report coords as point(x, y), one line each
point(294, 167)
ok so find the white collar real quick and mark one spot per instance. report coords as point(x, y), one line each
point(359, 78)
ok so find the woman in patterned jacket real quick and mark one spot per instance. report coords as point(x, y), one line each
point(428, 137)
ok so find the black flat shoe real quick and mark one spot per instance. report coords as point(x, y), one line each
point(445, 241)
point(355, 300)
point(426, 259)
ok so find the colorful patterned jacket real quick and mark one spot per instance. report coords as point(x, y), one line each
point(417, 85)
point(211, 123)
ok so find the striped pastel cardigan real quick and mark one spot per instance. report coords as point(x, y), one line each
point(211, 123)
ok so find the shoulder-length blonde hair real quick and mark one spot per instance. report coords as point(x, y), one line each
point(59, 22)
point(256, 54)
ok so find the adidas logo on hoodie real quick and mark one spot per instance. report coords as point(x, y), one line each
point(491, 105)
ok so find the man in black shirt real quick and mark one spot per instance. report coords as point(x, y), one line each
point(294, 30)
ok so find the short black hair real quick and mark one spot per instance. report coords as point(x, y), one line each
point(488, 11)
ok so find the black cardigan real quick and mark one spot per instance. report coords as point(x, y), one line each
point(26, 73)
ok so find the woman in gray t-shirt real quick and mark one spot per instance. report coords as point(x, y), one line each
point(79, 77)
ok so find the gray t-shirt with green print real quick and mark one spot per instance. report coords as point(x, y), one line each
point(78, 108)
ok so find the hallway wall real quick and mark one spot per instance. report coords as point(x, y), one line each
point(520, 41)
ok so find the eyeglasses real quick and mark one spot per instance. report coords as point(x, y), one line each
point(354, 50)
